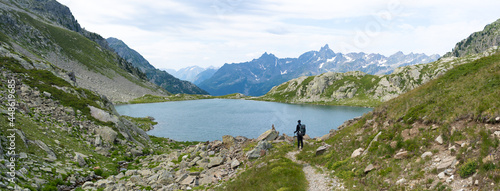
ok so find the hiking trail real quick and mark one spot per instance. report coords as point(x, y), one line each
point(317, 180)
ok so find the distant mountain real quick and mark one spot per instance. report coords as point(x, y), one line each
point(188, 73)
point(206, 74)
point(257, 77)
point(158, 77)
point(194, 74)
point(478, 42)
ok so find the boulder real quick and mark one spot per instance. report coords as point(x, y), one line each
point(165, 177)
point(357, 152)
point(369, 168)
point(188, 180)
point(269, 135)
point(215, 161)
point(107, 134)
point(80, 159)
point(88, 186)
point(260, 149)
point(235, 164)
point(102, 115)
point(228, 140)
point(136, 152)
point(322, 149)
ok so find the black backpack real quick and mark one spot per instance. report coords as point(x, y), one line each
point(302, 130)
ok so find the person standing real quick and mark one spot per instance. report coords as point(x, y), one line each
point(301, 131)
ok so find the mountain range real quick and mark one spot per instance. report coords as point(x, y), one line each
point(194, 74)
point(157, 76)
point(257, 77)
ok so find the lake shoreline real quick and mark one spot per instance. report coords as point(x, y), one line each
point(210, 119)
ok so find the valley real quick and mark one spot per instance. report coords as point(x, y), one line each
point(434, 122)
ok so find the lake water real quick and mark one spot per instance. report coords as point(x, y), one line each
point(210, 119)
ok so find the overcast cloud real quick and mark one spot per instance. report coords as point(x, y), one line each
point(180, 33)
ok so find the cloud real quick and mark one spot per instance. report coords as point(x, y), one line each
point(177, 34)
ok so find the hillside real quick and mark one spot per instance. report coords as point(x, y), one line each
point(156, 76)
point(478, 42)
point(358, 88)
point(257, 77)
point(35, 30)
point(443, 135)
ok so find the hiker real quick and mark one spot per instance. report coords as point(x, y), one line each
point(301, 131)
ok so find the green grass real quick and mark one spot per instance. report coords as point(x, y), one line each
point(470, 90)
point(83, 50)
point(276, 173)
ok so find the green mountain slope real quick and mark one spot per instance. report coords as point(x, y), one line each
point(156, 76)
point(31, 32)
point(443, 134)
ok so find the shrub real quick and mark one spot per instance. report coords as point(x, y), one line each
point(468, 168)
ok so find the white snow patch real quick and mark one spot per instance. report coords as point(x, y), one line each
point(349, 59)
point(319, 58)
point(283, 72)
point(331, 59)
point(321, 66)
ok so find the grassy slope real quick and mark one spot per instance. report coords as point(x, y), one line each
point(470, 91)
point(272, 172)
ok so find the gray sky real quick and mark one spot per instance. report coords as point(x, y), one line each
point(180, 33)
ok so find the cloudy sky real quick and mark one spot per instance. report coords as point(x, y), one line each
point(180, 33)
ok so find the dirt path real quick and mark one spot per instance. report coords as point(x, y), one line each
point(317, 181)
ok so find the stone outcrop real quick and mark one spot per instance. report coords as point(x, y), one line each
point(358, 88)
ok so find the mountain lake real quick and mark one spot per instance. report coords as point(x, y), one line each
point(210, 119)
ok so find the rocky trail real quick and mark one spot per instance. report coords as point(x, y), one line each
point(317, 180)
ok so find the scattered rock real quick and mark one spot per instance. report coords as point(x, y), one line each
point(439, 139)
point(228, 140)
point(441, 175)
point(80, 159)
point(262, 146)
point(357, 152)
point(322, 149)
point(107, 134)
point(369, 168)
point(428, 153)
point(215, 161)
point(497, 134)
point(235, 164)
point(450, 179)
point(401, 181)
point(446, 162)
point(401, 155)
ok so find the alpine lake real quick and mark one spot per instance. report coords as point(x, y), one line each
point(210, 119)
